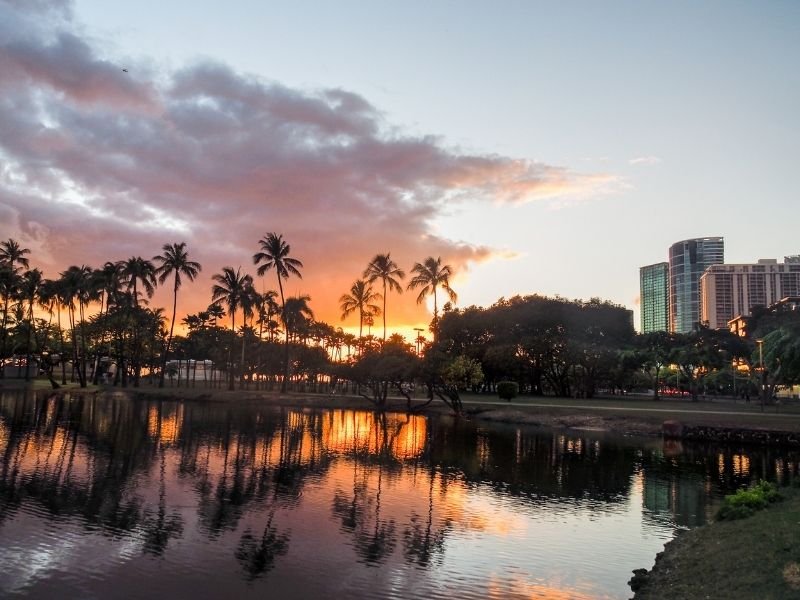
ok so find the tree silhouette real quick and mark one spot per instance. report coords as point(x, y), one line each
point(431, 275)
point(384, 268)
point(231, 287)
point(175, 261)
point(359, 299)
point(274, 254)
point(257, 555)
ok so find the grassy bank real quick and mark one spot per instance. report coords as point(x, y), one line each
point(756, 557)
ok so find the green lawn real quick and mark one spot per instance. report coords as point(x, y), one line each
point(756, 557)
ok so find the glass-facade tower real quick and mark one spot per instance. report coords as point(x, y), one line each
point(687, 262)
point(654, 296)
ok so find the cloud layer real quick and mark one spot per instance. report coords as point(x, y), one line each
point(99, 163)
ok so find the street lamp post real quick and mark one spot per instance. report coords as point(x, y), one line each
point(761, 370)
point(419, 331)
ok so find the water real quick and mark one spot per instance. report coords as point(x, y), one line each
point(111, 498)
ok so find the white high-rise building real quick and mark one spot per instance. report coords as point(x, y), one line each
point(729, 291)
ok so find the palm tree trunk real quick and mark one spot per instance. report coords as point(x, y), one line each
point(171, 329)
point(30, 335)
point(285, 382)
point(384, 311)
point(230, 350)
point(4, 334)
point(241, 362)
point(84, 349)
point(96, 370)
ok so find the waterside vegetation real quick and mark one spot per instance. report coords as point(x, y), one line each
point(544, 346)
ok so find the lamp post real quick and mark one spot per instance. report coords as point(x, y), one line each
point(419, 331)
point(761, 370)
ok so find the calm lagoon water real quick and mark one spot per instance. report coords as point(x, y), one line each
point(112, 498)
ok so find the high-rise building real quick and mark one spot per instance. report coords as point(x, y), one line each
point(654, 297)
point(730, 291)
point(687, 262)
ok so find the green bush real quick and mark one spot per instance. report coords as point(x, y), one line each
point(507, 390)
point(745, 503)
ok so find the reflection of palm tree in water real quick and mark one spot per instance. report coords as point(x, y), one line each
point(257, 556)
point(420, 544)
point(372, 544)
point(158, 532)
point(375, 548)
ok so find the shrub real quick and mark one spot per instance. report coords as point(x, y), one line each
point(507, 390)
point(745, 503)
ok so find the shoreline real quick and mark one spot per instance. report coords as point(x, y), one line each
point(712, 421)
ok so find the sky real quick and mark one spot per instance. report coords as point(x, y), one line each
point(537, 147)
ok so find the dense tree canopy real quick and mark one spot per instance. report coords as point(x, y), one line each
point(98, 322)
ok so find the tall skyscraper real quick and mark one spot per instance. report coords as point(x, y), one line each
point(687, 262)
point(654, 297)
point(729, 291)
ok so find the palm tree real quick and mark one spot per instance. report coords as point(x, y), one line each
point(267, 307)
point(384, 268)
point(55, 291)
point(29, 292)
point(9, 285)
point(296, 317)
point(137, 270)
point(11, 253)
point(359, 299)
point(215, 312)
point(47, 301)
point(249, 303)
point(274, 254)
point(107, 282)
point(430, 275)
point(297, 314)
point(76, 285)
point(175, 260)
point(230, 288)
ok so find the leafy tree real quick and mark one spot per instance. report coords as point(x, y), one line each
point(393, 365)
point(655, 350)
point(781, 354)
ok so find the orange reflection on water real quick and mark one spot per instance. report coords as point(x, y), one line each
point(164, 424)
point(361, 432)
point(741, 464)
point(516, 588)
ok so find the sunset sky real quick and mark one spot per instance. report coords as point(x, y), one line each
point(536, 147)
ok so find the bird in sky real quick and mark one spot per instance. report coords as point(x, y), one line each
point(124, 70)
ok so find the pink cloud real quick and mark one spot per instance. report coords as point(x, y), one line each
point(97, 164)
